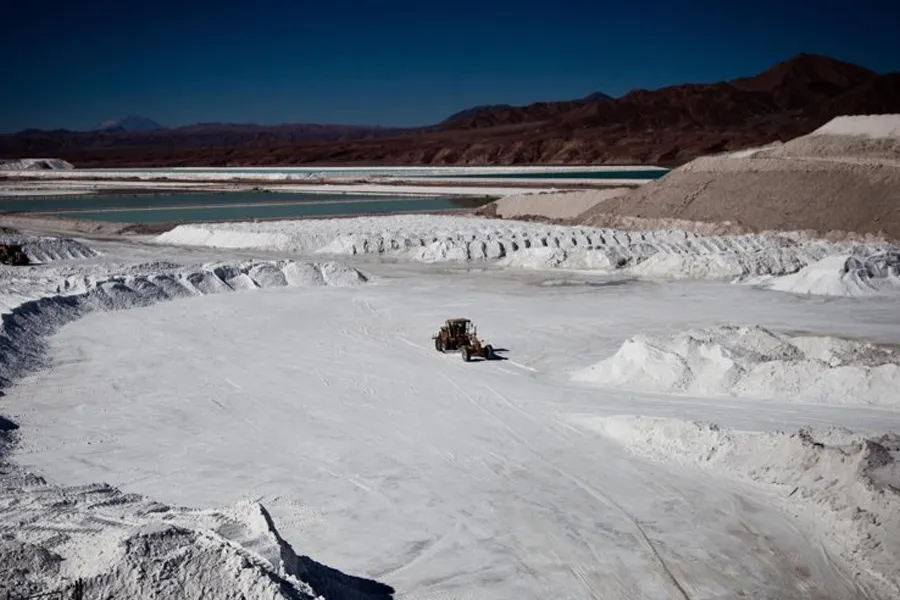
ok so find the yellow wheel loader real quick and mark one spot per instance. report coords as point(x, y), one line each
point(461, 335)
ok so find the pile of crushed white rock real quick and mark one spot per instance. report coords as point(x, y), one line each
point(43, 249)
point(124, 545)
point(127, 546)
point(753, 362)
point(816, 266)
point(844, 275)
point(38, 303)
point(844, 485)
point(36, 164)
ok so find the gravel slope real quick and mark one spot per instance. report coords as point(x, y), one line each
point(844, 177)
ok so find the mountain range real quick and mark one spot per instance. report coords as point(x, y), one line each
point(666, 126)
point(130, 123)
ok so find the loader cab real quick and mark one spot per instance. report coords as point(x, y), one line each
point(460, 327)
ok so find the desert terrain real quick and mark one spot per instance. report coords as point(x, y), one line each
point(667, 126)
point(694, 394)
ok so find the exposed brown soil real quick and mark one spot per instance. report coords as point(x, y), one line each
point(559, 205)
point(767, 194)
point(668, 126)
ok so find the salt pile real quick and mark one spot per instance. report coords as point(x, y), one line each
point(753, 362)
point(36, 164)
point(29, 319)
point(124, 545)
point(127, 546)
point(732, 266)
point(48, 249)
point(848, 483)
point(667, 253)
point(843, 275)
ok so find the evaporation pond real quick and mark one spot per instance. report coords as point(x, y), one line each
point(224, 206)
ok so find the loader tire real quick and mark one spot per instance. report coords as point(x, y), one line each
point(437, 345)
point(466, 354)
point(489, 352)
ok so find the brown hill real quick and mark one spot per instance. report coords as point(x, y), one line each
point(842, 178)
point(666, 126)
point(797, 81)
point(796, 84)
point(207, 136)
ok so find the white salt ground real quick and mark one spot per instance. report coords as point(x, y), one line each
point(847, 484)
point(126, 546)
point(314, 399)
point(59, 299)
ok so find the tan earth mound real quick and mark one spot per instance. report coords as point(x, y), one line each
point(846, 181)
point(859, 138)
point(553, 205)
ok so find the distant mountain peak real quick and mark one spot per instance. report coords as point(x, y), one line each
point(803, 69)
point(131, 123)
point(488, 115)
point(476, 110)
point(597, 96)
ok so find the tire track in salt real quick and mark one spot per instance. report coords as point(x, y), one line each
point(641, 535)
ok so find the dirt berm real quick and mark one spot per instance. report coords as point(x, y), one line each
point(820, 182)
point(768, 194)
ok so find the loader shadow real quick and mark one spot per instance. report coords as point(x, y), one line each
point(498, 355)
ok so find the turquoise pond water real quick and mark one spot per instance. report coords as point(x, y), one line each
point(635, 173)
point(186, 207)
point(647, 174)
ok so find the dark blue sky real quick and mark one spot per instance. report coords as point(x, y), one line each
point(74, 64)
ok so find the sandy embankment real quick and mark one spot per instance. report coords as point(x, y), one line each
point(843, 180)
point(551, 205)
point(844, 177)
